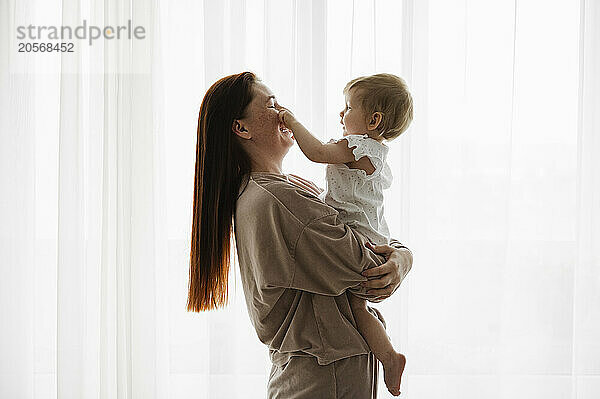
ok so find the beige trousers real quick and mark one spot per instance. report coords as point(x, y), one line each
point(303, 378)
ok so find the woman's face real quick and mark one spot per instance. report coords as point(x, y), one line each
point(262, 123)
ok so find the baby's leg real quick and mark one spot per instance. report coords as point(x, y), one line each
point(374, 333)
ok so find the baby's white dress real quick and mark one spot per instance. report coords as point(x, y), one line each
point(357, 196)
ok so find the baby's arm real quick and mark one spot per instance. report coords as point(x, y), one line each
point(312, 147)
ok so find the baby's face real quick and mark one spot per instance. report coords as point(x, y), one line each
point(353, 117)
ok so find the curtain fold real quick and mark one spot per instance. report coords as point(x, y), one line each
point(70, 240)
point(17, 230)
point(496, 188)
point(586, 284)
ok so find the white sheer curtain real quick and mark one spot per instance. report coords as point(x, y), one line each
point(496, 191)
point(84, 289)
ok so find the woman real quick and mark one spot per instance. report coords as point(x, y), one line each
point(296, 259)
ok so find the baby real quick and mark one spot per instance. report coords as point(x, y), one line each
point(378, 108)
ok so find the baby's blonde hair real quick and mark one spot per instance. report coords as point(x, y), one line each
point(388, 94)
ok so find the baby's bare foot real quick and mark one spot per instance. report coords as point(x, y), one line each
point(392, 372)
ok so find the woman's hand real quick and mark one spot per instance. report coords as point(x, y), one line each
point(390, 274)
point(306, 184)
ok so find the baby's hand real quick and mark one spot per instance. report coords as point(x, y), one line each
point(286, 117)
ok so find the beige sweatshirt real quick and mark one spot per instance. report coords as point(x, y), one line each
point(297, 260)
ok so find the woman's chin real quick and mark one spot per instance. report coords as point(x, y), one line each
point(288, 142)
point(281, 143)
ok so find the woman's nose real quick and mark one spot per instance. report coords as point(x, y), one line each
point(341, 114)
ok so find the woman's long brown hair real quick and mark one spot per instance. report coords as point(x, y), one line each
point(221, 167)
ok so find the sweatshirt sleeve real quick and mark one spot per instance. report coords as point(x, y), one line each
point(329, 257)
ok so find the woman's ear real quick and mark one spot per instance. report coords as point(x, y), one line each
point(239, 129)
point(375, 121)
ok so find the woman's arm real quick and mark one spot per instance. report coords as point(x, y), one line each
point(297, 241)
point(385, 279)
point(312, 147)
point(344, 253)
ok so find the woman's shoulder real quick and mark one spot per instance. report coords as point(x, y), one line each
point(268, 193)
